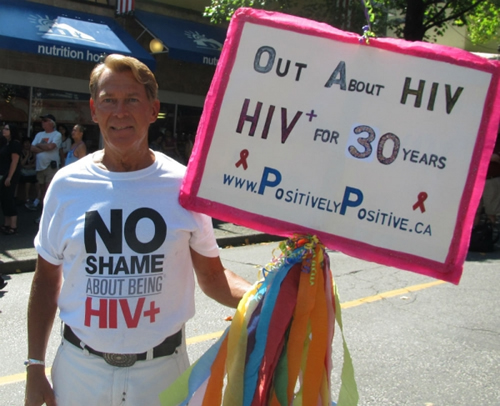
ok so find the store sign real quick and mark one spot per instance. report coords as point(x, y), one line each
point(45, 30)
point(69, 31)
point(380, 149)
point(185, 40)
point(201, 41)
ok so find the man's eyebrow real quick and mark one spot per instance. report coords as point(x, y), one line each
point(104, 93)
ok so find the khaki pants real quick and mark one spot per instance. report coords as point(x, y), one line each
point(45, 176)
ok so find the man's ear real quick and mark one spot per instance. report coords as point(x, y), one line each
point(155, 111)
point(92, 111)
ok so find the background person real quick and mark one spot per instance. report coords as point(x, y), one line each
point(156, 143)
point(66, 143)
point(170, 147)
point(28, 165)
point(490, 199)
point(45, 146)
point(9, 174)
point(105, 216)
point(78, 149)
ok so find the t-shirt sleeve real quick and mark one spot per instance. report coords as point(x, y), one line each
point(203, 238)
point(16, 148)
point(57, 140)
point(66, 145)
point(36, 140)
point(47, 241)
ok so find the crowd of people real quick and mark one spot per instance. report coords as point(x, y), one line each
point(28, 166)
point(25, 163)
point(178, 148)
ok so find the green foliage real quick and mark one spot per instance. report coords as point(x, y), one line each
point(409, 19)
point(348, 16)
point(483, 23)
point(222, 10)
point(482, 18)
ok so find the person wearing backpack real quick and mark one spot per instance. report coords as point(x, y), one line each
point(482, 235)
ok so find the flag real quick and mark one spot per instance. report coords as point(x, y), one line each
point(124, 6)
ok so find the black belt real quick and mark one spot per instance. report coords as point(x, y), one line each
point(167, 347)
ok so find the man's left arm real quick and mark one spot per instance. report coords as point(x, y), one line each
point(43, 147)
point(49, 146)
point(217, 282)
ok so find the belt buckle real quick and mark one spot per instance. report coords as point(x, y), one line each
point(120, 360)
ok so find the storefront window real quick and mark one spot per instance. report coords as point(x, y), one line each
point(69, 108)
point(188, 118)
point(175, 130)
point(14, 106)
point(173, 133)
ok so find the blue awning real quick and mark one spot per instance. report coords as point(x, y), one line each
point(185, 40)
point(46, 30)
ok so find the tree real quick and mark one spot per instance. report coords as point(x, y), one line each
point(347, 15)
point(413, 20)
point(417, 20)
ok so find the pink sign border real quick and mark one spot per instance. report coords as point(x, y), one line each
point(451, 269)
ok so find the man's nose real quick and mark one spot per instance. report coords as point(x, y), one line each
point(121, 108)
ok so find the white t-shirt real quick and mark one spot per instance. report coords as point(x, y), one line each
point(123, 241)
point(43, 159)
point(66, 145)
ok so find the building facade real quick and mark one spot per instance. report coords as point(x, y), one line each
point(48, 49)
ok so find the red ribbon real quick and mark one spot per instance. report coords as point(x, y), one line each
point(243, 161)
point(422, 197)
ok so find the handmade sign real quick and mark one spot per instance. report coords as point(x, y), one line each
point(380, 149)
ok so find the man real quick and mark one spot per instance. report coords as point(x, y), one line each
point(491, 194)
point(490, 199)
point(113, 228)
point(46, 147)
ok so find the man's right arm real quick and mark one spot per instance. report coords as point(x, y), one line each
point(43, 147)
point(42, 309)
point(34, 146)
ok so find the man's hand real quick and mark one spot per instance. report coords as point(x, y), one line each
point(38, 389)
point(217, 282)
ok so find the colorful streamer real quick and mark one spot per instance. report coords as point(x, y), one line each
point(277, 351)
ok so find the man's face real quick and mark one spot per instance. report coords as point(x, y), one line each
point(47, 125)
point(123, 111)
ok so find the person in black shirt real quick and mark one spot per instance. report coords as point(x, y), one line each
point(9, 175)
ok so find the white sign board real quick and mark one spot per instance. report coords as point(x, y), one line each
point(380, 149)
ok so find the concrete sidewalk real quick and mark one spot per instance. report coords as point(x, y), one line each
point(18, 255)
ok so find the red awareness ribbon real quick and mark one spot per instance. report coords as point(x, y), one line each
point(422, 197)
point(243, 159)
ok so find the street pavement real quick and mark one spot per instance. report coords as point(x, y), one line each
point(17, 253)
point(414, 341)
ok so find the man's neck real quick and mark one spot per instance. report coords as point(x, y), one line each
point(119, 163)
